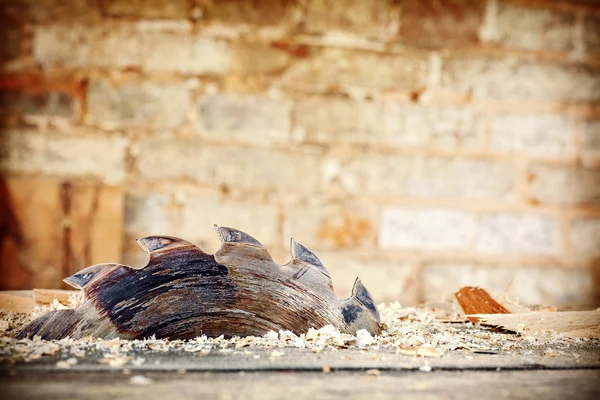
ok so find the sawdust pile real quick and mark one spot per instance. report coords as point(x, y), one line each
point(419, 332)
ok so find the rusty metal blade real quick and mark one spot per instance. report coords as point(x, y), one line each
point(184, 292)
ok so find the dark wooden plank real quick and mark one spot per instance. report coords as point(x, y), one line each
point(563, 384)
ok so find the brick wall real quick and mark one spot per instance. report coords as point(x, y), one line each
point(419, 144)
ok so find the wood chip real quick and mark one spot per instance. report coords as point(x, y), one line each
point(475, 300)
point(582, 324)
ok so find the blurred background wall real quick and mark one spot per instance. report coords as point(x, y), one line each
point(420, 144)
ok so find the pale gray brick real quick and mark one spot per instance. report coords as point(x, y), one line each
point(252, 119)
point(584, 236)
point(534, 28)
point(433, 229)
point(90, 155)
point(535, 134)
point(159, 106)
point(427, 176)
point(564, 185)
point(429, 125)
point(518, 233)
point(509, 78)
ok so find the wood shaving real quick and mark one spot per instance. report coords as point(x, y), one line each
point(410, 331)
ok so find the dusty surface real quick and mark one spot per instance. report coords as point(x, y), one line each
point(419, 354)
point(412, 332)
point(571, 384)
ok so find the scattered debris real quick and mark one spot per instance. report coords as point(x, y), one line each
point(326, 369)
point(409, 331)
point(425, 368)
point(373, 372)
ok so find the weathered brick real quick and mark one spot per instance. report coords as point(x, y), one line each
point(510, 78)
point(432, 229)
point(200, 212)
point(340, 69)
point(564, 185)
point(432, 22)
point(61, 45)
point(87, 46)
point(334, 120)
point(387, 280)
point(125, 46)
point(258, 12)
point(52, 104)
point(427, 176)
point(187, 54)
point(371, 18)
point(435, 126)
point(98, 47)
point(591, 34)
point(161, 9)
point(331, 226)
point(532, 285)
point(590, 143)
point(245, 118)
point(518, 233)
point(93, 155)
point(535, 134)
point(534, 28)
point(261, 58)
point(584, 236)
point(149, 214)
point(294, 172)
point(159, 106)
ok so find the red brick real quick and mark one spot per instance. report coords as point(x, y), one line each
point(435, 22)
point(43, 84)
point(38, 95)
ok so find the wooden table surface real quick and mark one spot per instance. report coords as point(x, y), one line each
point(298, 373)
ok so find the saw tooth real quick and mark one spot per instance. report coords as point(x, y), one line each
point(238, 248)
point(230, 235)
point(362, 295)
point(360, 312)
point(299, 252)
point(156, 243)
point(82, 278)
